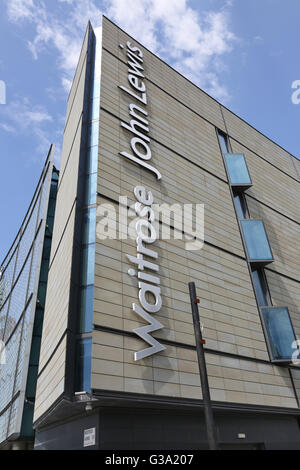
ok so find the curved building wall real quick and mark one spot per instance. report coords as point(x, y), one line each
point(21, 296)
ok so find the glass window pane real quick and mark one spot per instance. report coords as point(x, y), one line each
point(88, 264)
point(86, 309)
point(89, 226)
point(83, 365)
point(92, 160)
point(91, 189)
point(256, 240)
point(260, 287)
point(280, 332)
point(96, 90)
point(240, 206)
point(223, 142)
point(27, 429)
point(94, 109)
point(237, 169)
point(93, 134)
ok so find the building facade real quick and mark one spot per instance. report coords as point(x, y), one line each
point(23, 284)
point(118, 366)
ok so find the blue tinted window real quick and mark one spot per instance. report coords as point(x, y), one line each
point(96, 90)
point(91, 189)
point(89, 226)
point(27, 420)
point(88, 262)
point(260, 286)
point(93, 134)
point(86, 309)
point(256, 240)
point(94, 109)
point(92, 160)
point(280, 332)
point(241, 207)
point(237, 169)
point(223, 142)
point(83, 365)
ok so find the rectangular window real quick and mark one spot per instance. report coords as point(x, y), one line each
point(223, 140)
point(92, 160)
point(91, 189)
point(237, 170)
point(83, 365)
point(96, 89)
point(256, 240)
point(89, 226)
point(94, 109)
point(86, 309)
point(93, 134)
point(280, 332)
point(88, 265)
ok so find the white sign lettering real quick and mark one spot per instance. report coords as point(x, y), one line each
point(148, 282)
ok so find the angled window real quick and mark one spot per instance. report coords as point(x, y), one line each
point(256, 241)
point(237, 169)
point(280, 333)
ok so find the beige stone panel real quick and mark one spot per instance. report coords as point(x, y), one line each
point(271, 186)
point(285, 293)
point(170, 123)
point(56, 393)
point(296, 163)
point(57, 301)
point(283, 235)
point(50, 384)
point(66, 196)
point(258, 143)
point(164, 76)
point(228, 306)
point(78, 73)
point(73, 122)
point(181, 183)
point(175, 372)
point(296, 379)
point(107, 382)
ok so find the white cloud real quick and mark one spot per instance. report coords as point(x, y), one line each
point(65, 33)
point(7, 127)
point(36, 116)
point(191, 41)
point(19, 9)
point(22, 117)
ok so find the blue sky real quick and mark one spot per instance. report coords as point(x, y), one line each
point(243, 52)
